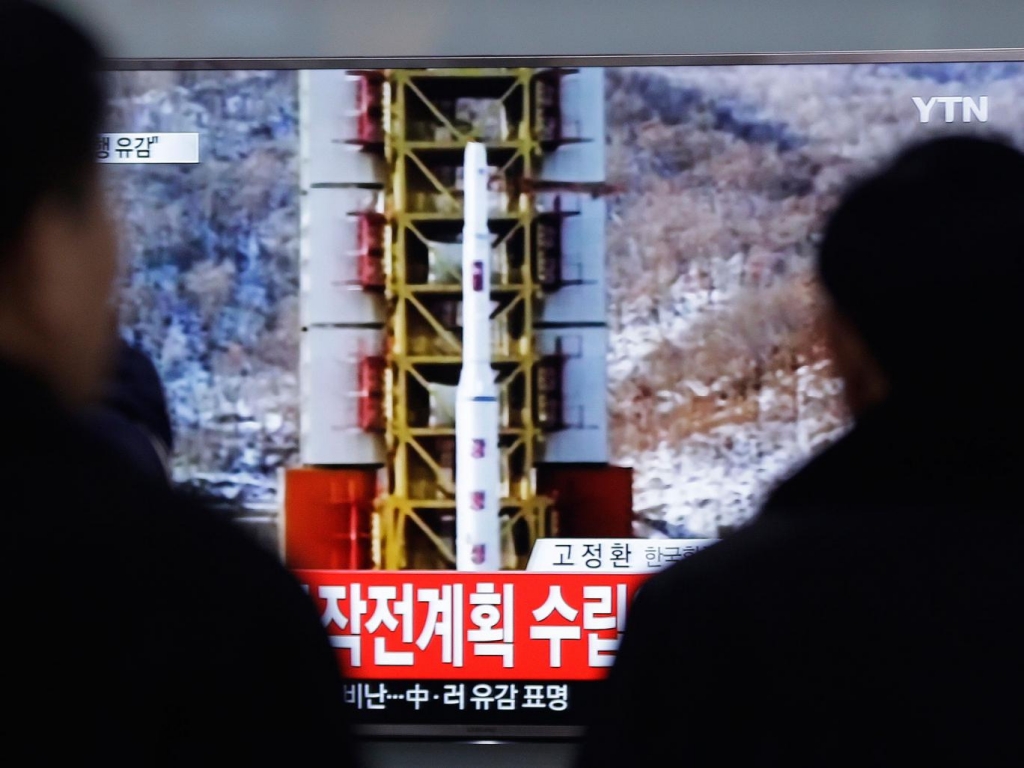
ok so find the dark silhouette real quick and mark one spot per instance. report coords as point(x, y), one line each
point(133, 414)
point(871, 614)
point(138, 628)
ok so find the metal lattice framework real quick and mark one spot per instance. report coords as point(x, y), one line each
point(424, 140)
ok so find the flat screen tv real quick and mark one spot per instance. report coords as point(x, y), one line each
point(293, 242)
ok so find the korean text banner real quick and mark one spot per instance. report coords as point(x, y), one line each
point(493, 626)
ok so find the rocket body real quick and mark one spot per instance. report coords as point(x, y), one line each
point(477, 470)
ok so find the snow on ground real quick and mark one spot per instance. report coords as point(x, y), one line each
point(718, 376)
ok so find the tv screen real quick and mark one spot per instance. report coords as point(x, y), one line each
point(295, 265)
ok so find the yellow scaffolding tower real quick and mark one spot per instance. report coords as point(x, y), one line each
point(429, 115)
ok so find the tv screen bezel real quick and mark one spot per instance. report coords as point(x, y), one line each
point(903, 56)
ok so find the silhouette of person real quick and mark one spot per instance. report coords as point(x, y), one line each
point(133, 414)
point(138, 629)
point(870, 614)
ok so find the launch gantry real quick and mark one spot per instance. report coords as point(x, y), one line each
point(424, 141)
point(399, 196)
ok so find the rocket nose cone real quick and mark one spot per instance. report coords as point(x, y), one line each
point(476, 155)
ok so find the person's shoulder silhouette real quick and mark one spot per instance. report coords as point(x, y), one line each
point(868, 615)
point(140, 629)
point(133, 414)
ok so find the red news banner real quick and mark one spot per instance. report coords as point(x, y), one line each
point(506, 625)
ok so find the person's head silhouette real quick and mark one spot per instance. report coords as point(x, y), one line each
point(923, 264)
point(57, 245)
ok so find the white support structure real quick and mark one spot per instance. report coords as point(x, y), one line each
point(328, 121)
point(585, 298)
point(329, 384)
point(341, 322)
point(583, 105)
point(576, 314)
point(330, 292)
point(584, 383)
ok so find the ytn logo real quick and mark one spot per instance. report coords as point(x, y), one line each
point(970, 109)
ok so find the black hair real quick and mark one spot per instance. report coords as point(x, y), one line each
point(926, 259)
point(137, 393)
point(53, 91)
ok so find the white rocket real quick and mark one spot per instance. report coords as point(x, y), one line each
point(477, 469)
